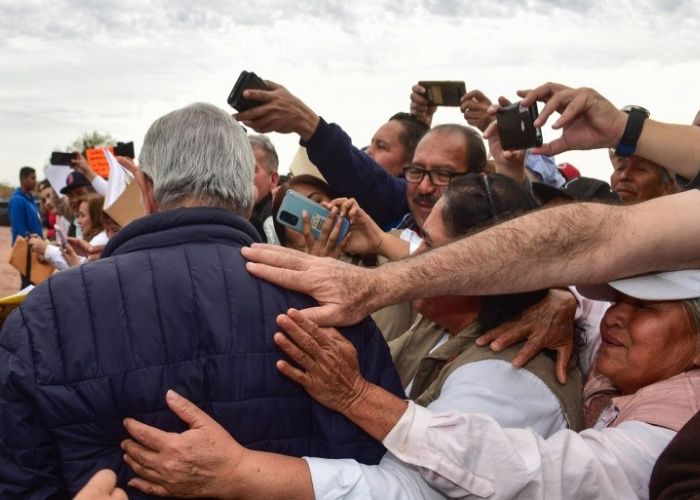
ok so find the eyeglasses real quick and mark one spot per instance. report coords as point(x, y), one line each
point(438, 177)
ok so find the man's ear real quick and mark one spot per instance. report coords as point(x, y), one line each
point(274, 179)
point(146, 185)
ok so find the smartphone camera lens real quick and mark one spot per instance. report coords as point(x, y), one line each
point(289, 218)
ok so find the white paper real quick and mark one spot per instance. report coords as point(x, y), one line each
point(57, 174)
point(119, 179)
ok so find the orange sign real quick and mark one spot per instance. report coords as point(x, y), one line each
point(98, 161)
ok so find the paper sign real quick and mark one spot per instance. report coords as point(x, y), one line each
point(98, 162)
point(123, 198)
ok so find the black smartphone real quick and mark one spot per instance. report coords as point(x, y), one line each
point(58, 158)
point(125, 149)
point(516, 128)
point(443, 93)
point(246, 80)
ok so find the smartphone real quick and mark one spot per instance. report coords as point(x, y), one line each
point(58, 158)
point(516, 128)
point(290, 214)
point(246, 80)
point(62, 240)
point(444, 93)
point(125, 149)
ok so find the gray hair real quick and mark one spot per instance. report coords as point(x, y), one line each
point(199, 153)
point(265, 144)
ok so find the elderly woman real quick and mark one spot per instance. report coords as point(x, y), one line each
point(650, 353)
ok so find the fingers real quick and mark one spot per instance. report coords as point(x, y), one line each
point(292, 350)
point(148, 436)
point(328, 315)
point(101, 484)
point(301, 331)
point(564, 354)
point(488, 337)
point(148, 487)
point(293, 374)
point(141, 460)
point(187, 411)
point(278, 256)
point(306, 231)
point(528, 351)
point(552, 148)
point(476, 95)
point(575, 107)
point(261, 95)
point(128, 164)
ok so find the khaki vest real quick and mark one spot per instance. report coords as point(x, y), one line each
point(413, 360)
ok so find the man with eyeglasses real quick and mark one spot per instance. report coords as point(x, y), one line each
point(445, 152)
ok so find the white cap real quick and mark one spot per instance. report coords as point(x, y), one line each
point(672, 285)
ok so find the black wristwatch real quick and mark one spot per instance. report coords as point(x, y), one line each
point(633, 129)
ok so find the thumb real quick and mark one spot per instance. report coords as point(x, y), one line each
point(327, 315)
point(562, 364)
point(186, 410)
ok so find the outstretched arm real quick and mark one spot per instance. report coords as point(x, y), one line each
point(590, 121)
point(574, 244)
point(349, 171)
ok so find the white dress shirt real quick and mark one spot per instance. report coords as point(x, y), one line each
point(514, 397)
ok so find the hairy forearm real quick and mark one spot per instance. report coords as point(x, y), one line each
point(573, 244)
point(676, 147)
point(272, 476)
point(376, 411)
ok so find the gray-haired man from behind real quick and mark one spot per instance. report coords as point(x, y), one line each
point(169, 306)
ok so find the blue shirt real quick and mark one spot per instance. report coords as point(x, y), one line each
point(24, 216)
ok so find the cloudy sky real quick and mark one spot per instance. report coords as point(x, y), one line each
point(70, 66)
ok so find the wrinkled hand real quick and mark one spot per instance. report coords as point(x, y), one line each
point(549, 324)
point(419, 105)
point(329, 370)
point(588, 119)
point(474, 105)
point(327, 244)
point(102, 486)
point(281, 112)
point(81, 165)
point(364, 236)
point(37, 244)
point(510, 163)
point(200, 462)
point(71, 257)
point(343, 291)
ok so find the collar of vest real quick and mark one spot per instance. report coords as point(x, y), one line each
point(182, 225)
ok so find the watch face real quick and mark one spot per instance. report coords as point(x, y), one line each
point(632, 107)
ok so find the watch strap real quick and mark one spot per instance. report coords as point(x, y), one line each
point(635, 122)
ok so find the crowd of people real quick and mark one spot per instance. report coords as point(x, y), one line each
point(491, 325)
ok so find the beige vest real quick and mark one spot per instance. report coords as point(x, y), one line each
point(413, 360)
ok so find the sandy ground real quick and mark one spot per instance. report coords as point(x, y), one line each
point(9, 277)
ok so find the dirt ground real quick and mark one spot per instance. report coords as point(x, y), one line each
point(9, 277)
